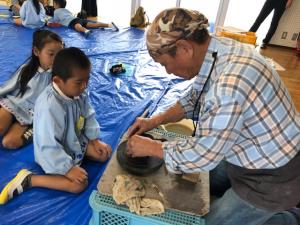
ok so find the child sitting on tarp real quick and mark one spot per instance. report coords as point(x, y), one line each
point(19, 93)
point(64, 17)
point(65, 130)
point(32, 14)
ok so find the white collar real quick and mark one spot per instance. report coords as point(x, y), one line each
point(41, 70)
point(61, 93)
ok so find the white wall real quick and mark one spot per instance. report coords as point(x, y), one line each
point(74, 6)
point(117, 11)
point(290, 23)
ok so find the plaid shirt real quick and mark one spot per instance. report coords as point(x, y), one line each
point(246, 115)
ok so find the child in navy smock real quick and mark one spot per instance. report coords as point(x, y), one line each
point(65, 18)
point(65, 130)
point(18, 95)
point(32, 14)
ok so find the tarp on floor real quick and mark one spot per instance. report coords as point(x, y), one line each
point(117, 99)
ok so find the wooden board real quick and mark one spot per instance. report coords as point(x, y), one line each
point(178, 194)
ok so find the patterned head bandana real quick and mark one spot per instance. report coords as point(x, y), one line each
point(172, 25)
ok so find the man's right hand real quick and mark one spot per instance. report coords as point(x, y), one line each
point(77, 174)
point(141, 125)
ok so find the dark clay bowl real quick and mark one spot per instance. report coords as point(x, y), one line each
point(137, 165)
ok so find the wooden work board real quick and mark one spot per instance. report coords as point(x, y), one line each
point(174, 192)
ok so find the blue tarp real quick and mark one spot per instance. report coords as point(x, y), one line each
point(117, 99)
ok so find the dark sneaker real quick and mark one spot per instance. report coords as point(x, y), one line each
point(263, 46)
point(115, 26)
point(16, 186)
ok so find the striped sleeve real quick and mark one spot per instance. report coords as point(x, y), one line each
point(217, 132)
point(187, 102)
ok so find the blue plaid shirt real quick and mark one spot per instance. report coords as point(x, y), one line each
point(246, 115)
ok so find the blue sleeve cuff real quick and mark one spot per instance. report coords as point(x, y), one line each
point(171, 164)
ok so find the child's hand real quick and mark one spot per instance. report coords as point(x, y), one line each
point(103, 149)
point(77, 174)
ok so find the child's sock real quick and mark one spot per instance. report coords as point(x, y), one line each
point(16, 186)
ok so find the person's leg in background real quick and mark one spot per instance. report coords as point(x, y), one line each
point(278, 12)
point(90, 6)
point(265, 11)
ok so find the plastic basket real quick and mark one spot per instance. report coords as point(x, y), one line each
point(106, 212)
point(245, 37)
point(169, 134)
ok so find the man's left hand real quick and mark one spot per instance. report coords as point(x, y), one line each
point(139, 146)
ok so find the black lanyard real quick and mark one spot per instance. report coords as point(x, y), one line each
point(197, 107)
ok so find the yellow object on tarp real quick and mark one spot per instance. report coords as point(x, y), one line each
point(237, 34)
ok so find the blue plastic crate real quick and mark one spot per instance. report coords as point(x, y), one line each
point(106, 212)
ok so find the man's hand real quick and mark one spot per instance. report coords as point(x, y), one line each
point(139, 146)
point(173, 114)
point(77, 174)
point(141, 125)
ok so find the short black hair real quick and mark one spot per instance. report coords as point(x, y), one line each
point(68, 59)
point(61, 3)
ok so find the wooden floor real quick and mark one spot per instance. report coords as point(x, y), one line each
point(288, 59)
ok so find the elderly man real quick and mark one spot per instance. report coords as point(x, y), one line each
point(246, 125)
